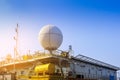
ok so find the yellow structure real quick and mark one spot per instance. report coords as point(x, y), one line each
point(45, 68)
point(42, 67)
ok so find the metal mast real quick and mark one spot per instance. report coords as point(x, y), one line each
point(16, 39)
point(16, 45)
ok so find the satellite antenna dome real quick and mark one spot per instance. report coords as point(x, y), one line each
point(50, 37)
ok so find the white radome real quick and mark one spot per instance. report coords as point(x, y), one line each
point(50, 37)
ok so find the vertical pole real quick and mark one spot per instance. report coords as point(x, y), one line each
point(17, 40)
point(16, 46)
point(51, 52)
point(14, 59)
point(60, 65)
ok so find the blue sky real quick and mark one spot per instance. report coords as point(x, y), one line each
point(92, 27)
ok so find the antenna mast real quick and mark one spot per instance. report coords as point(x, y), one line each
point(16, 39)
point(16, 53)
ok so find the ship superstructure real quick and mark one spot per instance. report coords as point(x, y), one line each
point(53, 64)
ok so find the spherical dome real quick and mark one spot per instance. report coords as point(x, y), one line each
point(50, 37)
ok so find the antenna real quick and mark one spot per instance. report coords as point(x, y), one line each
point(16, 39)
point(16, 53)
point(50, 38)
